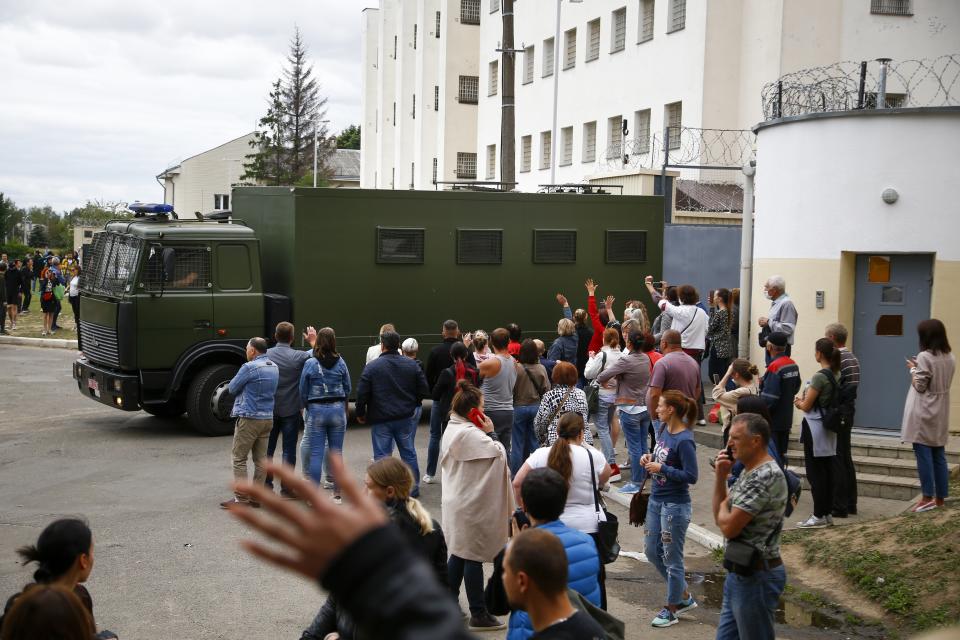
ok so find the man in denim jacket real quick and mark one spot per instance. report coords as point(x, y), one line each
point(253, 388)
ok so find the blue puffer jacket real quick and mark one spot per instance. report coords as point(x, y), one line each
point(584, 565)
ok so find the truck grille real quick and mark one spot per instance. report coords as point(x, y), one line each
point(99, 343)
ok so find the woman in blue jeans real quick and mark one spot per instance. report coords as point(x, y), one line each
point(324, 389)
point(673, 468)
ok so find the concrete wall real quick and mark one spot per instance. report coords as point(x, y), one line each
point(708, 257)
point(811, 233)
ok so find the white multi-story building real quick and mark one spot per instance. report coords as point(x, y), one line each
point(420, 92)
point(203, 182)
point(650, 64)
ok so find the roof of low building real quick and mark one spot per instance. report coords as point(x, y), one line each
point(345, 164)
point(693, 195)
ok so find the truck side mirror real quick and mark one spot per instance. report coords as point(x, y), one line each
point(168, 256)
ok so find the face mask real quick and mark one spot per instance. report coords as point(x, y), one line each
point(766, 294)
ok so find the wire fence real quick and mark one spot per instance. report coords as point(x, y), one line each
point(851, 85)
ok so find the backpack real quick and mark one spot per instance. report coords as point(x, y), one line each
point(832, 414)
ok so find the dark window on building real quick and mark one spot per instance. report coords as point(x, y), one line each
point(414, 36)
point(557, 246)
point(399, 245)
point(479, 246)
point(626, 246)
point(436, 33)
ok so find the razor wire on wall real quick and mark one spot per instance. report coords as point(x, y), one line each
point(850, 85)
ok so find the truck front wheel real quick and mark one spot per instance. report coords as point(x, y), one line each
point(209, 402)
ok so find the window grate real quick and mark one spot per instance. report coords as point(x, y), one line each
point(893, 100)
point(111, 264)
point(593, 38)
point(191, 269)
point(491, 161)
point(678, 15)
point(435, 171)
point(615, 136)
point(494, 6)
point(646, 21)
point(545, 150)
point(526, 153)
point(436, 97)
point(466, 165)
point(414, 37)
point(492, 79)
point(479, 246)
point(548, 47)
point(570, 55)
point(641, 132)
point(619, 30)
point(397, 245)
point(554, 246)
point(436, 32)
point(528, 65)
point(625, 246)
point(469, 89)
point(566, 141)
point(413, 112)
point(674, 118)
point(470, 11)
point(590, 141)
point(892, 7)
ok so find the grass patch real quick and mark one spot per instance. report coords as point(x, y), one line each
point(908, 564)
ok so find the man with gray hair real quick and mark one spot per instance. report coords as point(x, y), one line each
point(783, 315)
point(254, 389)
point(844, 472)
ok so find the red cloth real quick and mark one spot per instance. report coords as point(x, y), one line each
point(654, 355)
point(596, 342)
point(513, 348)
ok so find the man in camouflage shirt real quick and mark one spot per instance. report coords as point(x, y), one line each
point(751, 512)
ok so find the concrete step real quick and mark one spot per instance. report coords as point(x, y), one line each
point(895, 467)
point(876, 486)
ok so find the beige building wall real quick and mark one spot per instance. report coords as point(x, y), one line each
point(193, 184)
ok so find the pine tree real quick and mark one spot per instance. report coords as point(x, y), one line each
point(283, 143)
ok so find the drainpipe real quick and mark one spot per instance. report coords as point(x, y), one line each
point(746, 260)
point(882, 85)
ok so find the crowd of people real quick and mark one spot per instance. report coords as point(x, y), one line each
point(511, 448)
point(51, 278)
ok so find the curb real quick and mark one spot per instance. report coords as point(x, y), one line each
point(49, 343)
point(701, 535)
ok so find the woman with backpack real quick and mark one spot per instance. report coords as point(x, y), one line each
point(48, 298)
point(820, 404)
point(532, 384)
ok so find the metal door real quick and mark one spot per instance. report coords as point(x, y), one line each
point(892, 296)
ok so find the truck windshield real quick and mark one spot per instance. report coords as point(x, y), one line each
point(112, 264)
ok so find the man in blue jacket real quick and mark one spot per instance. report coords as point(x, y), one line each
point(388, 394)
point(778, 387)
point(544, 495)
point(253, 389)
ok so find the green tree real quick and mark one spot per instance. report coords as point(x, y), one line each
point(6, 217)
point(38, 237)
point(349, 138)
point(96, 213)
point(283, 149)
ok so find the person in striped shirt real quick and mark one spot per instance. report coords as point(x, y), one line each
point(844, 472)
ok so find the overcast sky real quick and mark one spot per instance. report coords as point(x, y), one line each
point(99, 96)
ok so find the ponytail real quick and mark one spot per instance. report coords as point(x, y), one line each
point(420, 515)
point(685, 408)
point(57, 548)
point(826, 348)
point(569, 428)
point(743, 368)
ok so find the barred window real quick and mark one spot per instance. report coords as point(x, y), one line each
point(191, 269)
point(528, 54)
point(545, 149)
point(615, 137)
point(494, 6)
point(590, 141)
point(593, 40)
point(641, 131)
point(891, 7)
point(674, 115)
point(566, 141)
point(492, 79)
point(436, 32)
point(399, 245)
point(414, 36)
point(470, 11)
point(479, 246)
point(678, 15)
point(548, 46)
point(413, 111)
point(554, 246)
point(469, 89)
point(570, 51)
point(619, 30)
point(626, 246)
point(646, 21)
point(491, 161)
point(526, 153)
point(436, 97)
point(111, 264)
point(466, 165)
point(434, 171)
point(892, 100)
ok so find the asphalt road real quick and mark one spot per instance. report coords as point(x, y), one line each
point(167, 560)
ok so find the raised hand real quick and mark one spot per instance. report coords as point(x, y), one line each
point(307, 539)
point(591, 286)
point(562, 300)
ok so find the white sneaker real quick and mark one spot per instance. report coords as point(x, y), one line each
point(327, 484)
point(701, 422)
point(428, 479)
point(615, 477)
point(813, 522)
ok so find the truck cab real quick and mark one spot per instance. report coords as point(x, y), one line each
point(166, 309)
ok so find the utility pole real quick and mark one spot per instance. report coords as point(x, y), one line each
point(508, 154)
point(746, 260)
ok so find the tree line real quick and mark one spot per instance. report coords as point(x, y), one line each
point(49, 228)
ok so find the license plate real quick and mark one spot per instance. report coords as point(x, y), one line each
point(92, 384)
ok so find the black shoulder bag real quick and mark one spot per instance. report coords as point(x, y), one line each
point(832, 414)
point(607, 545)
point(744, 559)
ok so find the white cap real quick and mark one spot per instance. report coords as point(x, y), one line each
point(410, 345)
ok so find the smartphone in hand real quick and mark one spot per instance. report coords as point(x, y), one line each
point(476, 417)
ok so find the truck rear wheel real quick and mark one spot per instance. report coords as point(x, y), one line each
point(209, 402)
point(171, 409)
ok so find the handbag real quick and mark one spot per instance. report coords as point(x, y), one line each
point(638, 505)
point(58, 291)
point(744, 559)
point(593, 390)
point(832, 414)
point(607, 546)
point(495, 594)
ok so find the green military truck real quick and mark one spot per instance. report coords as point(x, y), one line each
point(167, 305)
